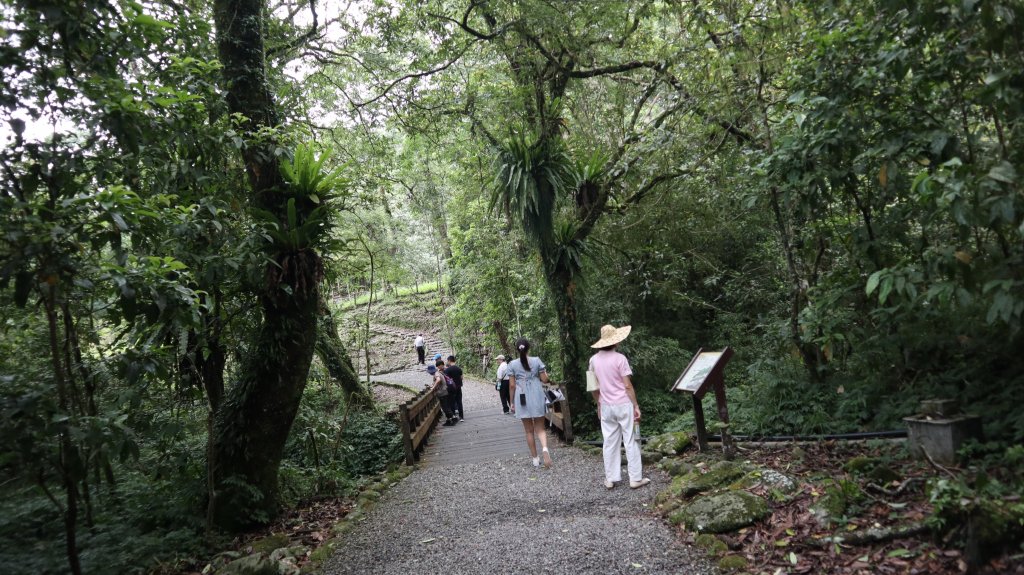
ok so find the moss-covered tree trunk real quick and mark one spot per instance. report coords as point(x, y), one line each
point(256, 415)
point(335, 358)
point(562, 286)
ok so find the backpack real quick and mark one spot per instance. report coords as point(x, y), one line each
point(449, 382)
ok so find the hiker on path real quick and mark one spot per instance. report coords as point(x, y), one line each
point(440, 388)
point(501, 383)
point(617, 408)
point(421, 351)
point(455, 372)
point(525, 377)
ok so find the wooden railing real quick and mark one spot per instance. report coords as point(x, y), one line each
point(559, 417)
point(418, 416)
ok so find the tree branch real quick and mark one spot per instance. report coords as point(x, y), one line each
point(616, 68)
point(299, 40)
point(464, 23)
point(423, 74)
point(653, 183)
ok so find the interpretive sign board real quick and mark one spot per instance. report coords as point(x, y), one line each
point(705, 370)
point(703, 373)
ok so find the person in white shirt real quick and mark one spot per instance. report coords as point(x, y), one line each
point(421, 351)
point(501, 383)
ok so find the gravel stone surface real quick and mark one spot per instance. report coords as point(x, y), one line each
point(506, 516)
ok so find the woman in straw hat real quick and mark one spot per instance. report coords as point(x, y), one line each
point(525, 377)
point(617, 408)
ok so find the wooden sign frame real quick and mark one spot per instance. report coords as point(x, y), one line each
point(704, 372)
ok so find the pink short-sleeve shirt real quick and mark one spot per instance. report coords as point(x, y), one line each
point(611, 369)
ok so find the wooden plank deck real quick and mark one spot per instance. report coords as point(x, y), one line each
point(485, 435)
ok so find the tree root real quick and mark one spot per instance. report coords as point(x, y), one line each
point(898, 490)
point(872, 535)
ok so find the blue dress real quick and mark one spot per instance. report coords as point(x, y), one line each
point(528, 384)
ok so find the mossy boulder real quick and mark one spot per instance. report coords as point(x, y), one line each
point(718, 476)
point(322, 553)
point(883, 474)
point(766, 477)
point(872, 468)
point(675, 467)
point(293, 552)
point(255, 564)
point(860, 465)
point(651, 457)
point(670, 443)
point(722, 512)
point(270, 543)
point(732, 563)
point(713, 545)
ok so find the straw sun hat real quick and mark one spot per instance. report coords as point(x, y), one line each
point(611, 335)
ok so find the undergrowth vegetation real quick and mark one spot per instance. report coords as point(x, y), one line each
point(152, 515)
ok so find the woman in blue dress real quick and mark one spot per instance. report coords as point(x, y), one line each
point(525, 377)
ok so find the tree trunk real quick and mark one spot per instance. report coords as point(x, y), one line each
point(502, 333)
point(335, 358)
point(798, 296)
point(69, 456)
point(563, 293)
point(252, 424)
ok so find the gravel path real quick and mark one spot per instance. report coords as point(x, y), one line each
point(509, 517)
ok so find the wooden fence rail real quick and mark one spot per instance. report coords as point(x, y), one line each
point(418, 416)
point(559, 417)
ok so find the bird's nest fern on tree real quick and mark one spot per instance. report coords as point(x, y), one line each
point(301, 231)
point(530, 174)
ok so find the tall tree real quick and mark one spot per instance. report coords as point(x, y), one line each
point(257, 412)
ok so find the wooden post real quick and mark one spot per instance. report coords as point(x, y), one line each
point(567, 433)
point(723, 416)
point(698, 419)
point(403, 414)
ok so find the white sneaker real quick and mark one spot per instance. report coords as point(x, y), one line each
point(609, 485)
point(536, 462)
point(641, 483)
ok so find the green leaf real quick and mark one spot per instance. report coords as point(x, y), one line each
point(899, 553)
point(147, 20)
point(886, 289)
point(873, 282)
point(1003, 172)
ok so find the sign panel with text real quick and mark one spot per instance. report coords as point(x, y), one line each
point(705, 369)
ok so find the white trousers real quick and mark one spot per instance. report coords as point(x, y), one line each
point(617, 428)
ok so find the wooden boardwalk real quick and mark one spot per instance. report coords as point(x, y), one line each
point(485, 435)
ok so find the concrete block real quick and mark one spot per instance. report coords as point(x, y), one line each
point(941, 437)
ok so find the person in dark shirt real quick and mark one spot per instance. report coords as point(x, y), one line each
point(455, 372)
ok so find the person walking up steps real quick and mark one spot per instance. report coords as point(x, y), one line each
point(455, 372)
point(501, 379)
point(617, 408)
point(421, 350)
point(524, 381)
